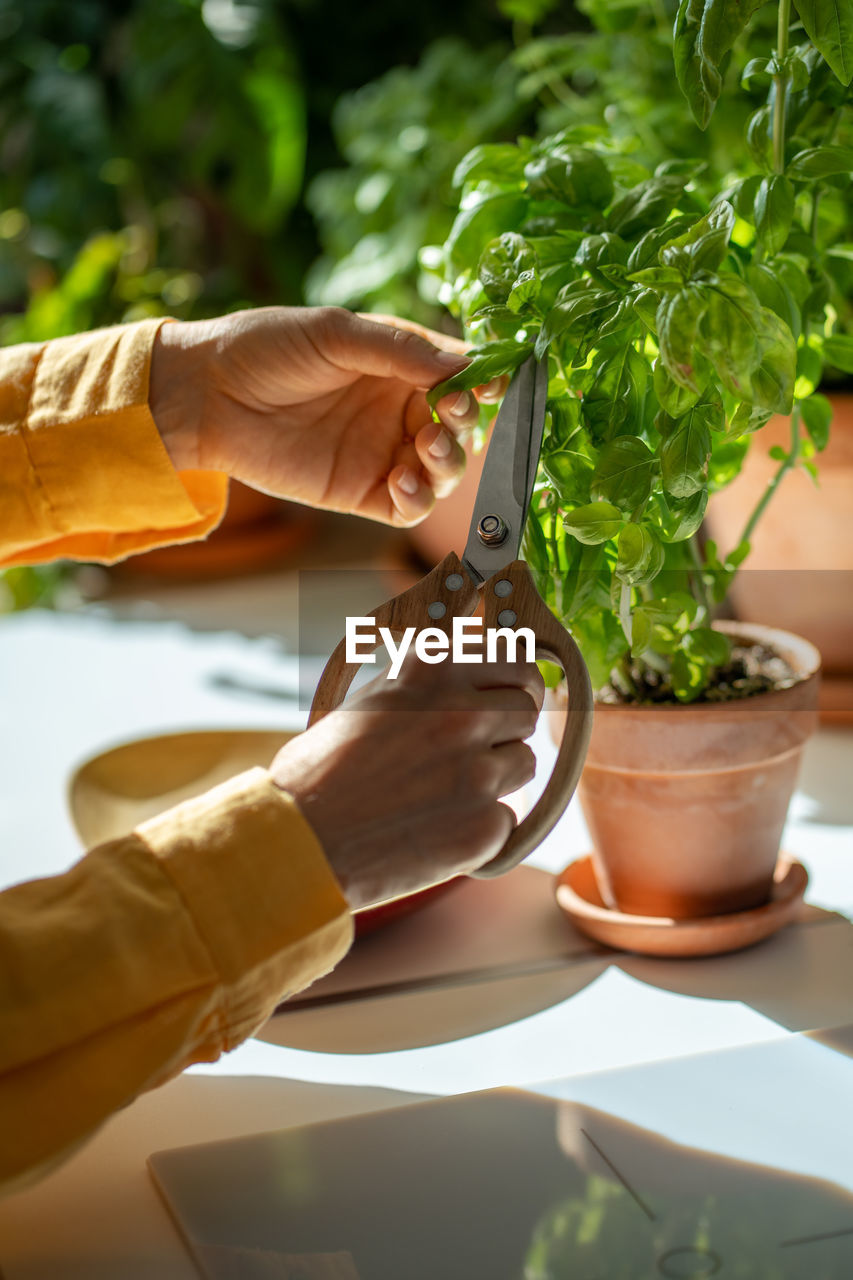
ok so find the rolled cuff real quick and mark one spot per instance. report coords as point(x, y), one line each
point(256, 882)
point(84, 473)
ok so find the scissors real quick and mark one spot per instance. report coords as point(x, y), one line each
point(490, 572)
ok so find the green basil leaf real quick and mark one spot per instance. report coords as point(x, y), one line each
point(816, 413)
point(684, 457)
point(613, 404)
point(774, 212)
point(672, 397)
point(578, 300)
point(839, 352)
point(685, 516)
point(623, 473)
point(487, 362)
point(571, 475)
point(525, 290)
point(646, 250)
point(588, 581)
point(752, 350)
point(661, 623)
point(554, 250)
point(769, 286)
point(759, 137)
point(563, 421)
point(475, 227)
point(646, 303)
point(660, 278)
point(575, 176)
point(727, 459)
point(503, 261)
point(594, 523)
point(742, 196)
point(829, 26)
point(645, 205)
point(688, 676)
point(746, 420)
point(772, 383)
point(705, 31)
point(820, 162)
point(639, 556)
point(704, 246)
point(495, 162)
point(709, 646)
point(756, 72)
point(677, 323)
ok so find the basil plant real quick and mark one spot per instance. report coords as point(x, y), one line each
point(675, 322)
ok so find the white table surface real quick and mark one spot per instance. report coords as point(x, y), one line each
point(71, 685)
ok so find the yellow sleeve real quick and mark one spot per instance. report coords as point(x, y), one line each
point(159, 949)
point(84, 474)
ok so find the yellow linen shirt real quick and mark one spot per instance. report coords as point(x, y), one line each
point(172, 944)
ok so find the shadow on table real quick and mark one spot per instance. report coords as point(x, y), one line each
point(487, 954)
point(802, 977)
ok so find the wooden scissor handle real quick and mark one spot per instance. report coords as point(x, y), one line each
point(554, 643)
point(510, 590)
point(409, 609)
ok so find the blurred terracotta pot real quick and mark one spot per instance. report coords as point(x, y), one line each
point(686, 804)
point(799, 574)
point(257, 532)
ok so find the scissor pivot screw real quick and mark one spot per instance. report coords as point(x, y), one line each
point(492, 531)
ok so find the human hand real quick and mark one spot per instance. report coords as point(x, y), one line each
point(318, 405)
point(401, 784)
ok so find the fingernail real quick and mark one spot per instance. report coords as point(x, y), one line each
point(440, 446)
point(407, 481)
point(452, 358)
point(461, 405)
point(491, 389)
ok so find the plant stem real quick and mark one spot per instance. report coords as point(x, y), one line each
point(781, 85)
point(695, 556)
point(775, 480)
point(625, 612)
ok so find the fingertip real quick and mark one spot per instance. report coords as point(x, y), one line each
point(441, 456)
point(490, 392)
point(458, 410)
point(411, 497)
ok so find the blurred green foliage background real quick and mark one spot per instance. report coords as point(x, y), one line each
point(189, 157)
point(155, 154)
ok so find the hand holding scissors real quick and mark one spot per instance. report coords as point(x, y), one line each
point(490, 572)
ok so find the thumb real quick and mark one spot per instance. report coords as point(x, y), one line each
point(391, 348)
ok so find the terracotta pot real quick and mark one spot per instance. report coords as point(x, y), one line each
point(686, 804)
point(799, 574)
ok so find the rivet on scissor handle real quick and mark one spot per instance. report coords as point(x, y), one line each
point(492, 531)
point(453, 581)
point(437, 609)
point(507, 618)
point(503, 587)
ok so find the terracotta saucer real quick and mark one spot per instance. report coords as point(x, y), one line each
point(578, 895)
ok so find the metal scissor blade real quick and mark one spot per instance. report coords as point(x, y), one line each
point(509, 472)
